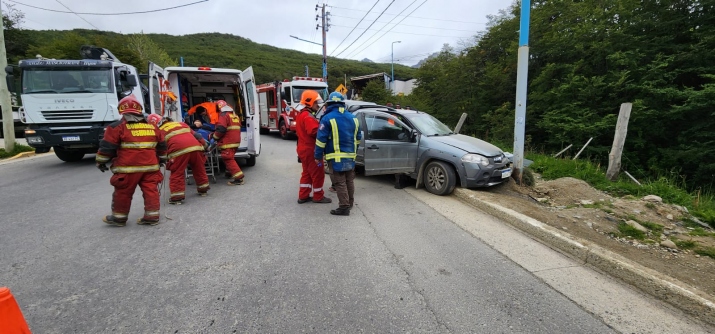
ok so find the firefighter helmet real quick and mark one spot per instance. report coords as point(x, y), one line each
point(130, 105)
point(310, 98)
point(335, 97)
point(155, 119)
point(223, 106)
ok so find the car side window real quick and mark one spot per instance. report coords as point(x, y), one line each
point(385, 128)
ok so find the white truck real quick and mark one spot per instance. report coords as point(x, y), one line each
point(66, 104)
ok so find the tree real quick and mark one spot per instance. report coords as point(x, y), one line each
point(375, 91)
point(16, 39)
point(147, 51)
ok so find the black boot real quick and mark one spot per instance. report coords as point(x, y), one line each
point(111, 220)
point(340, 212)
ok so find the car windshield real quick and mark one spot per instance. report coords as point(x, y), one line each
point(64, 80)
point(428, 125)
point(298, 91)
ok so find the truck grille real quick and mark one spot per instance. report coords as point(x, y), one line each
point(70, 115)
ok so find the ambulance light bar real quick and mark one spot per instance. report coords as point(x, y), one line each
point(204, 68)
point(308, 79)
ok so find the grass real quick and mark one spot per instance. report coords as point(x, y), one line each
point(684, 244)
point(19, 148)
point(701, 205)
point(650, 205)
point(657, 228)
point(706, 251)
point(630, 231)
point(700, 232)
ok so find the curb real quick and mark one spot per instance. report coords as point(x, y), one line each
point(670, 290)
point(21, 155)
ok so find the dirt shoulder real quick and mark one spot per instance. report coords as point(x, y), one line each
point(578, 209)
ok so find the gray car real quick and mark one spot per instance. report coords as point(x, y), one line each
point(414, 143)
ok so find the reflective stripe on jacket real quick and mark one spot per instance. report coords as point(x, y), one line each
point(338, 135)
point(132, 146)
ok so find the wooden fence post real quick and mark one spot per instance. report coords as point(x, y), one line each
point(460, 123)
point(614, 158)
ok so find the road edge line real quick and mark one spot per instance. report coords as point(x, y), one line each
point(670, 290)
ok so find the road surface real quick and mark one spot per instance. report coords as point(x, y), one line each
point(250, 259)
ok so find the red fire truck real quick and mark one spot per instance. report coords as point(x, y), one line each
point(277, 101)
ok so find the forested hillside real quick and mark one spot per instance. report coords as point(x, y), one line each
point(205, 49)
point(588, 57)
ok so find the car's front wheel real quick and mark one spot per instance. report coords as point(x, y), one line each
point(439, 178)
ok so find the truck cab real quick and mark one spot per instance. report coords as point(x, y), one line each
point(205, 84)
point(278, 100)
point(68, 103)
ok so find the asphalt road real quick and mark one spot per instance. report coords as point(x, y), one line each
point(250, 259)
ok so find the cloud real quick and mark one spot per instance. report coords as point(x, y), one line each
point(272, 21)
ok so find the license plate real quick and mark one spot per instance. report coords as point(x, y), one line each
point(70, 138)
point(505, 173)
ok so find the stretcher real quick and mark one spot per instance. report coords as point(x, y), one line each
point(211, 166)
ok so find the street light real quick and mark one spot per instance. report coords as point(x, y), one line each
point(392, 56)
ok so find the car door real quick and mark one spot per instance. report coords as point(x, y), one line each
point(253, 118)
point(156, 76)
point(389, 146)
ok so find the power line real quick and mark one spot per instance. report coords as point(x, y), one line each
point(399, 32)
point(417, 17)
point(127, 13)
point(368, 27)
point(409, 25)
point(351, 31)
point(383, 27)
point(63, 5)
point(393, 27)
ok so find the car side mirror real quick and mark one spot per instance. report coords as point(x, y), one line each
point(132, 80)
point(413, 135)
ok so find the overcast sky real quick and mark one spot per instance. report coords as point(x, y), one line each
point(424, 31)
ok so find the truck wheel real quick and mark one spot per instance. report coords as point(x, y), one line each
point(439, 178)
point(264, 131)
point(68, 155)
point(284, 130)
point(251, 161)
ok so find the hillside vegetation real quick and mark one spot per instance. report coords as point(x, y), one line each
point(586, 58)
point(204, 49)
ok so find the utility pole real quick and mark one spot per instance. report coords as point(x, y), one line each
point(522, 73)
point(392, 61)
point(307, 73)
point(8, 125)
point(326, 26)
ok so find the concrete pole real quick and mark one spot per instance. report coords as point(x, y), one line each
point(522, 75)
point(325, 48)
point(8, 125)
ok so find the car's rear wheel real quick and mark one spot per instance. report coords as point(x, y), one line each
point(439, 178)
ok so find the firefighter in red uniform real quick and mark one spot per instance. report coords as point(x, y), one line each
point(184, 148)
point(306, 127)
point(228, 139)
point(134, 147)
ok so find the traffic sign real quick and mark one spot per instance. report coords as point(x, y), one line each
point(341, 89)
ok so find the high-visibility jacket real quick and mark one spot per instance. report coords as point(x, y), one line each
point(228, 130)
point(133, 144)
point(180, 139)
point(339, 135)
point(306, 128)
